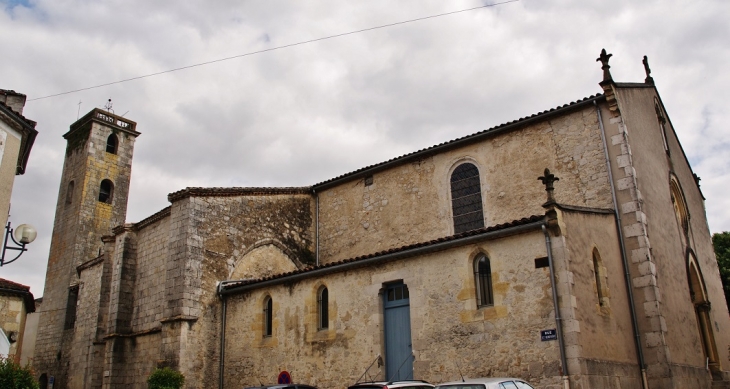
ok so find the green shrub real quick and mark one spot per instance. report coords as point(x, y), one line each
point(165, 378)
point(14, 376)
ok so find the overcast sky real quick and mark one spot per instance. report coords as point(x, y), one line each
point(304, 114)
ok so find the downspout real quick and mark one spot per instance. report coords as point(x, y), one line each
point(224, 299)
point(627, 276)
point(316, 227)
point(558, 319)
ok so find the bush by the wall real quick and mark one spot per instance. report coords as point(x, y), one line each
point(14, 376)
point(165, 378)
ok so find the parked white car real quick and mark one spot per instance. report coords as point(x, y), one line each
point(486, 383)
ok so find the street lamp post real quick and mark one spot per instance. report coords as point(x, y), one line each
point(24, 234)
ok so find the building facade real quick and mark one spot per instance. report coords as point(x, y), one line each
point(569, 248)
point(16, 302)
point(17, 134)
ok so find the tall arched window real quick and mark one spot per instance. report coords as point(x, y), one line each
point(268, 316)
point(662, 125)
point(680, 206)
point(106, 191)
point(466, 198)
point(483, 281)
point(111, 144)
point(70, 192)
point(698, 294)
point(323, 308)
point(599, 271)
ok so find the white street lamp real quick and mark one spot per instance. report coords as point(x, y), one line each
point(24, 234)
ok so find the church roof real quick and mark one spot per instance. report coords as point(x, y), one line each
point(458, 142)
point(492, 232)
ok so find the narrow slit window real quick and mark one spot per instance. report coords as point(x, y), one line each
point(662, 126)
point(106, 191)
point(70, 192)
point(111, 144)
point(268, 316)
point(597, 271)
point(466, 198)
point(323, 308)
point(483, 281)
point(71, 303)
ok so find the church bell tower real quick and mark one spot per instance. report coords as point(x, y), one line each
point(92, 199)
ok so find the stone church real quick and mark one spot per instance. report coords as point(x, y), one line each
point(586, 262)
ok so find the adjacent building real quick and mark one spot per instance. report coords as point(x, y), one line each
point(569, 248)
point(16, 302)
point(17, 134)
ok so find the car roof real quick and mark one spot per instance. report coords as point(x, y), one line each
point(391, 384)
point(484, 380)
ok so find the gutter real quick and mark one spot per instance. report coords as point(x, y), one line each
point(627, 276)
point(316, 227)
point(377, 259)
point(221, 366)
point(558, 319)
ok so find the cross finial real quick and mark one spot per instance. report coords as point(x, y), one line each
point(604, 65)
point(648, 79)
point(548, 179)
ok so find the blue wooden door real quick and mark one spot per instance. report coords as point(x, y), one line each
point(398, 350)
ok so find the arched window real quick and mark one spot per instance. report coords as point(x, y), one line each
point(111, 144)
point(268, 316)
point(483, 281)
point(106, 191)
point(662, 125)
point(599, 271)
point(466, 198)
point(698, 294)
point(70, 192)
point(680, 206)
point(323, 308)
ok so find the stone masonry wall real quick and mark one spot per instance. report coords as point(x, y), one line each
point(80, 222)
point(229, 228)
point(447, 327)
point(412, 202)
point(81, 354)
point(657, 245)
point(149, 292)
point(597, 333)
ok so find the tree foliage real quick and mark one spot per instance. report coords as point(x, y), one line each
point(165, 378)
point(721, 242)
point(14, 376)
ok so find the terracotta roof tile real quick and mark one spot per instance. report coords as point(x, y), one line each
point(7, 284)
point(514, 223)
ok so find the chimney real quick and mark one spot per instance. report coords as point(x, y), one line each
point(14, 100)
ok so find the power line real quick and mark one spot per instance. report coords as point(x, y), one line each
point(273, 48)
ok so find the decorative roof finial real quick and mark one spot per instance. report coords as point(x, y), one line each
point(648, 79)
point(548, 179)
point(604, 65)
point(108, 106)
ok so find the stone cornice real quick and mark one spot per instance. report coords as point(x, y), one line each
point(235, 191)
